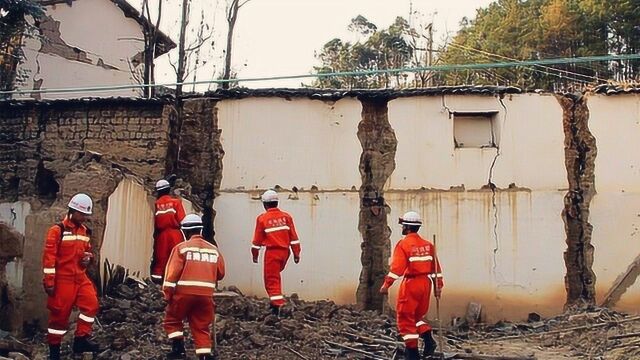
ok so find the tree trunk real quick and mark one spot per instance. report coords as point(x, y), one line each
point(182, 57)
point(232, 16)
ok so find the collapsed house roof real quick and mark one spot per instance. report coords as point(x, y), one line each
point(164, 43)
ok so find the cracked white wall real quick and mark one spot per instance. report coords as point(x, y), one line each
point(527, 271)
point(89, 26)
point(615, 209)
point(301, 143)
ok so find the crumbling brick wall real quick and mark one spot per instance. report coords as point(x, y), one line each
point(39, 140)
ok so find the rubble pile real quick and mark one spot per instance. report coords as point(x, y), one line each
point(594, 333)
point(129, 326)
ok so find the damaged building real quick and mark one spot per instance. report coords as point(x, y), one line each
point(63, 54)
point(533, 198)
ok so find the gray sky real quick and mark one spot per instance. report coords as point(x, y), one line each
point(280, 37)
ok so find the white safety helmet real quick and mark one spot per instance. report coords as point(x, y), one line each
point(191, 222)
point(162, 184)
point(82, 203)
point(269, 196)
point(410, 218)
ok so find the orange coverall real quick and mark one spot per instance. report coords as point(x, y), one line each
point(193, 269)
point(169, 214)
point(414, 258)
point(64, 249)
point(275, 230)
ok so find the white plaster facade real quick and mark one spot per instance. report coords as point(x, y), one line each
point(305, 143)
point(105, 43)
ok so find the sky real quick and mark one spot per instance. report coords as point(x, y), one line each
point(281, 37)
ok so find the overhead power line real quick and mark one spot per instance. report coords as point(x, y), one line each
point(434, 68)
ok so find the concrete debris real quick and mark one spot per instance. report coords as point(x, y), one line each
point(130, 327)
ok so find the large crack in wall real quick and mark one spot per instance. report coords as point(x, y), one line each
point(580, 153)
point(200, 155)
point(377, 162)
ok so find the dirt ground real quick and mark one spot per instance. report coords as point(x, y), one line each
point(130, 327)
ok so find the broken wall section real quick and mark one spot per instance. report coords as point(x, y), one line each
point(377, 162)
point(200, 153)
point(580, 155)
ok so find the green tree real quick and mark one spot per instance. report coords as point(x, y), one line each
point(378, 49)
point(13, 27)
point(509, 30)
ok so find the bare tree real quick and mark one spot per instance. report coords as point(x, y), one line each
point(182, 49)
point(150, 32)
point(232, 17)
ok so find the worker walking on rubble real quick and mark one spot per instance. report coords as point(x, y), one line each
point(169, 212)
point(415, 259)
point(275, 231)
point(67, 253)
point(193, 270)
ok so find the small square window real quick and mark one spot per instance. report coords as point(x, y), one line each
point(475, 130)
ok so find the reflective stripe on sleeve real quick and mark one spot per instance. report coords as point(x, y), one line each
point(169, 284)
point(49, 271)
point(420, 323)
point(160, 212)
point(86, 318)
point(203, 351)
point(56, 332)
point(156, 276)
point(295, 242)
point(421, 258)
point(175, 334)
point(393, 276)
point(276, 297)
point(255, 247)
point(435, 275)
point(410, 337)
point(270, 230)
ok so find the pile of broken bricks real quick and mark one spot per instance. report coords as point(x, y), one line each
point(129, 326)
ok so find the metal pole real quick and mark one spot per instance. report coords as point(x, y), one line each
point(435, 284)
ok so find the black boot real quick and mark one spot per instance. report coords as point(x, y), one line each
point(54, 352)
point(430, 344)
point(81, 344)
point(275, 310)
point(206, 357)
point(177, 350)
point(411, 354)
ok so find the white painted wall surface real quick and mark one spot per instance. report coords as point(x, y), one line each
point(531, 142)
point(615, 210)
point(14, 214)
point(299, 142)
point(526, 272)
point(89, 26)
point(128, 237)
point(327, 224)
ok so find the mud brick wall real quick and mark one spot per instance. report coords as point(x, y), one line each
point(39, 140)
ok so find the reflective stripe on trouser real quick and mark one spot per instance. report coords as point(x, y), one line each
point(163, 245)
point(70, 292)
point(412, 306)
point(197, 310)
point(275, 260)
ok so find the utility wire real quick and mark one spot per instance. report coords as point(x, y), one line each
point(435, 68)
point(513, 59)
point(489, 55)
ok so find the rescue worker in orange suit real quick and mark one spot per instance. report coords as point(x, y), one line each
point(193, 270)
point(414, 258)
point(275, 231)
point(169, 212)
point(67, 253)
